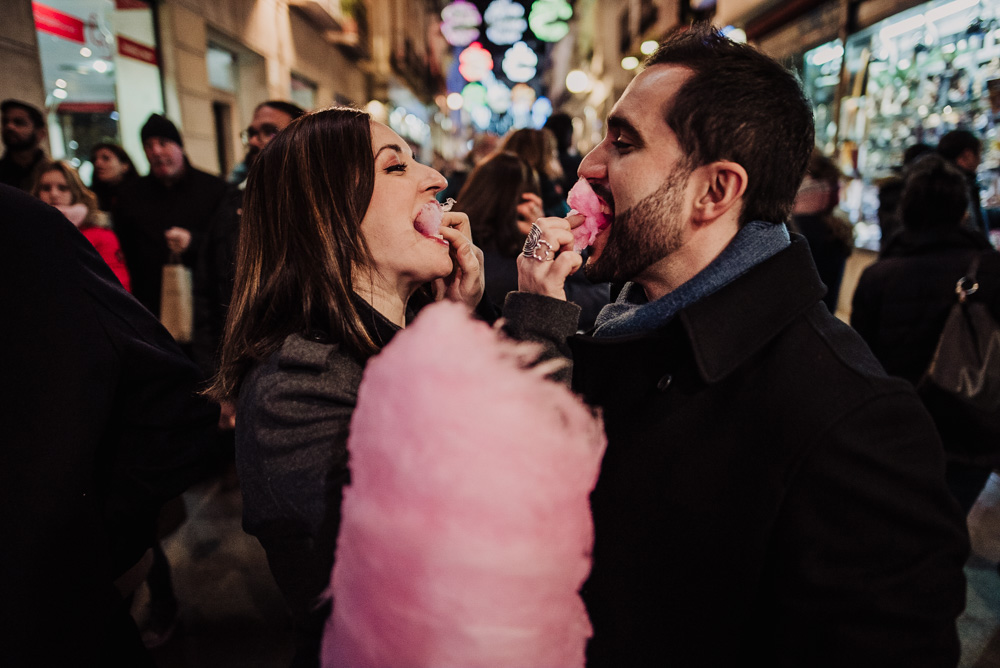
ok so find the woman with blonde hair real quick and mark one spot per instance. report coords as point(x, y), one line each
point(57, 184)
point(340, 235)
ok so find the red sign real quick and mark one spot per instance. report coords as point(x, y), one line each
point(137, 51)
point(57, 23)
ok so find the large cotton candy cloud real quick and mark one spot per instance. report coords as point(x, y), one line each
point(466, 529)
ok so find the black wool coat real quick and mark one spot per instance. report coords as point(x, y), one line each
point(99, 425)
point(146, 209)
point(769, 496)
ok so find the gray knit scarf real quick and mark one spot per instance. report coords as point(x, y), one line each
point(631, 313)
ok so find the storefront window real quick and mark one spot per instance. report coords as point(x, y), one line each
point(100, 68)
point(911, 79)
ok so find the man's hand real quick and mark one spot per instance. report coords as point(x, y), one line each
point(548, 277)
point(178, 239)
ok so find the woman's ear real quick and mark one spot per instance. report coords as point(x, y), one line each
point(721, 185)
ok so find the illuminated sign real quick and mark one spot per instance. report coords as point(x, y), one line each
point(519, 63)
point(460, 23)
point(475, 62)
point(505, 21)
point(548, 19)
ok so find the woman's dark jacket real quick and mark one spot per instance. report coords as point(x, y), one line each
point(902, 301)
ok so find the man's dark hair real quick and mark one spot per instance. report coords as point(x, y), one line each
point(33, 113)
point(956, 142)
point(292, 110)
point(914, 152)
point(740, 105)
point(935, 194)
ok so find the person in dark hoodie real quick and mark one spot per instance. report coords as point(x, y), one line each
point(166, 212)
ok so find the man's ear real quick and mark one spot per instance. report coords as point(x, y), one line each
point(721, 185)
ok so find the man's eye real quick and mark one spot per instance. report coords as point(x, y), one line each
point(621, 145)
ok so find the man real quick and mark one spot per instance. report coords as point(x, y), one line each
point(768, 495)
point(101, 424)
point(269, 118)
point(216, 264)
point(964, 150)
point(23, 130)
point(166, 212)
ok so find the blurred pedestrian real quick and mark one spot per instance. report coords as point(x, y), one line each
point(101, 424)
point(166, 212)
point(484, 145)
point(890, 190)
point(814, 216)
point(903, 300)
point(964, 150)
point(113, 172)
point(538, 149)
point(561, 127)
point(502, 199)
point(23, 130)
point(58, 184)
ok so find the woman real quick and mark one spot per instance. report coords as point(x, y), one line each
point(902, 302)
point(57, 184)
point(494, 197)
point(329, 258)
point(501, 198)
point(112, 169)
point(538, 149)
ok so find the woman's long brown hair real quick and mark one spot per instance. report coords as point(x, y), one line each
point(490, 197)
point(300, 242)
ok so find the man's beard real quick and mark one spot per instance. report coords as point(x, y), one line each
point(13, 143)
point(644, 234)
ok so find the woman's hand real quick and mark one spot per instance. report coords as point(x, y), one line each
point(467, 281)
point(548, 276)
point(528, 211)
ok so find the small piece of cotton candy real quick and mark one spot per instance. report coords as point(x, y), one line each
point(428, 221)
point(584, 200)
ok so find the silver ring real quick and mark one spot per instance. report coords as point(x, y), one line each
point(533, 242)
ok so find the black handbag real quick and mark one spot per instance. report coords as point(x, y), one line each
point(961, 387)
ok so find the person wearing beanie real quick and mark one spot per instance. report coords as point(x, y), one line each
point(23, 129)
point(164, 213)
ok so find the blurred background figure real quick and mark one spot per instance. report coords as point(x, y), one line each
point(890, 190)
point(269, 118)
point(57, 184)
point(964, 150)
point(502, 199)
point(22, 128)
point(101, 424)
point(164, 213)
point(113, 172)
point(484, 145)
point(561, 127)
point(902, 301)
point(814, 216)
point(538, 149)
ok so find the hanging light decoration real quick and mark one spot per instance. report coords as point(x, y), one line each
point(460, 23)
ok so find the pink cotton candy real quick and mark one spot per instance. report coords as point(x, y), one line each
point(466, 529)
point(584, 200)
point(428, 221)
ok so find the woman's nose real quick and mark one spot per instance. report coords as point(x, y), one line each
point(436, 180)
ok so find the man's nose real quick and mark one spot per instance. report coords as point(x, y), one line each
point(593, 167)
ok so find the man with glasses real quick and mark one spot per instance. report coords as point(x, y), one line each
point(217, 260)
point(269, 118)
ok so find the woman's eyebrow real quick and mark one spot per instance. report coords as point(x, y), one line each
point(389, 147)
